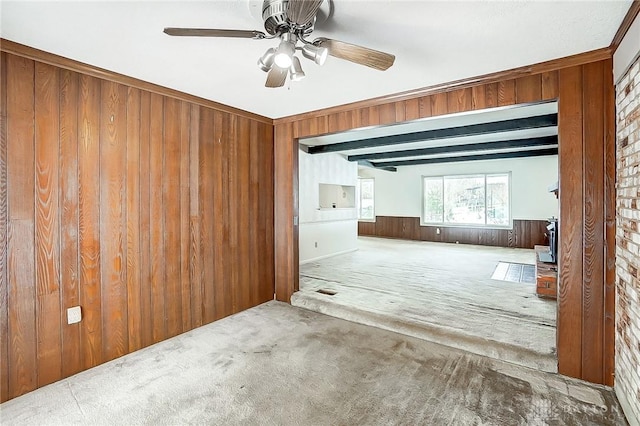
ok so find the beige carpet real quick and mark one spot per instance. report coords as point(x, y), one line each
point(439, 292)
point(281, 365)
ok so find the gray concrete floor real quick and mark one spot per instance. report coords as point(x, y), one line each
point(281, 365)
point(440, 292)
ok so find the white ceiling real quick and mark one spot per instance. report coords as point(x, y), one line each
point(434, 42)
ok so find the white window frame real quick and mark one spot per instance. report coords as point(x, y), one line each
point(444, 224)
point(359, 199)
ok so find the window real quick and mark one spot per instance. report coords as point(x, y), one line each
point(476, 200)
point(364, 198)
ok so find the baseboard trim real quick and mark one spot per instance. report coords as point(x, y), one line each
point(328, 255)
point(626, 408)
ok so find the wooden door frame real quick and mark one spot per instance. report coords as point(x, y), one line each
point(583, 86)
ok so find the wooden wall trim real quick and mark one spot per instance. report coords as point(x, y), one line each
point(72, 65)
point(542, 67)
point(626, 23)
point(524, 234)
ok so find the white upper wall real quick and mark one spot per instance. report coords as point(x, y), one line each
point(400, 193)
point(627, 52)
point(323, 168)
point(325, 232)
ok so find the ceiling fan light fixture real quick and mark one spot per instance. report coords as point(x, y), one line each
point(317, 54)
point(285, 51)
point(266, 61)
point(295, 71)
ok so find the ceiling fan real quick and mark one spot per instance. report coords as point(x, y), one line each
point(292, 21)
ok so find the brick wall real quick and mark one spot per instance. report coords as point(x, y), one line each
point(627, 381)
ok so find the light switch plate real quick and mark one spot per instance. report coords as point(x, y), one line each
point(74, 315)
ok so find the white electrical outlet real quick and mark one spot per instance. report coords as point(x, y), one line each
point(74, 315)
point(438, 231)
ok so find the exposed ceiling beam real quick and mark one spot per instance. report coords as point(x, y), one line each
point(539, 121)
point(367, 163)
point(456, 159)
point(513, 143)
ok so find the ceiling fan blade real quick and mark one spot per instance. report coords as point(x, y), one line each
point(208, 32)
point(302, 12)
point(357, 54)
point(276, 77)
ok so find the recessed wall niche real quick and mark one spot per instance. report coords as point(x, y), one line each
point(337, 196)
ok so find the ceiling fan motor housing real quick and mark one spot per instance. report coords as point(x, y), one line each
point(274, 15)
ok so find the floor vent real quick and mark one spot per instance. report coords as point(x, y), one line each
point(327, 292)
point(515, 272)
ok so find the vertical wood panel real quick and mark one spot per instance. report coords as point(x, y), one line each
point(506, 92)
point(610, 223)
point(374, 116)
point(286, 211)
point(459, 100)
point(133, 171)
point(343, 121)
point(243, 224)
point(333, 123)
point(253, 190)
point(171, 205)
point(425, 106)
point(323, 124)
point(4, 230)
point(89, 219)
point(400, 112)
point(439, 105)
point(479, 97)
point(491, 95)
point(221, 211)
point(267, 191)
point(195, 264)
point(185, 234)
point(207, 212)
point(233, 212)
point(156, 218)
point(47, 225)
point(146, 306)
point(550, 85)
point(528, 89)
point(570, 153)
point(411, 108)
point(593, 233)
point(20, 245)
point(113, 152)
point(69, 209)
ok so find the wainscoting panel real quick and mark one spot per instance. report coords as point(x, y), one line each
point(525, 233)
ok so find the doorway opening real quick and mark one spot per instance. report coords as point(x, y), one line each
point(441, 206)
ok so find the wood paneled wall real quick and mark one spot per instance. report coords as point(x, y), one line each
point(587, 221)
point(584, 88)
point(153, 214)
point(524, 234)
